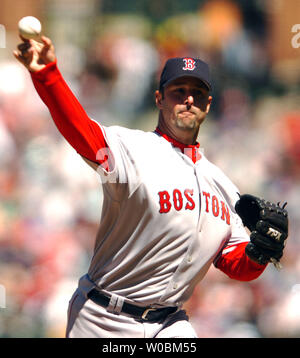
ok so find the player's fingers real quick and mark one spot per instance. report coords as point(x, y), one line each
point(24, 46)
point(46, 41)
point(37, 45)
point(48, 51)
point(29, 46)
point(25, 51)
point(18, 55)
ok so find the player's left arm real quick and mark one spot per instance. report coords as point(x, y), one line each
point(232, 258)
point(234, 262)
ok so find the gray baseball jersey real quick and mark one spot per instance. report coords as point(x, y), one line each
point(164, 219)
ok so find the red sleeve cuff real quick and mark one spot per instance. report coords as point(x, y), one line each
point(48, 75)
point(237, 265)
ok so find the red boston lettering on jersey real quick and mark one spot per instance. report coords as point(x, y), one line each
point(188, 194)
point(164, 201)
point(225, 213)
point(207, 195)
point(177, 199)
point(189, 64)
point(215, 206)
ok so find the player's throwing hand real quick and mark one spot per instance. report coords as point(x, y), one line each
point(35, 55)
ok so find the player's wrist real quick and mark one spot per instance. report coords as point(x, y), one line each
point(46, 73)
point(36, 68)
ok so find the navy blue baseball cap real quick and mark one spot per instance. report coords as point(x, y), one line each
point(185, 66)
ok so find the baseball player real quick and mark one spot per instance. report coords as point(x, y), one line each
point(168, 213)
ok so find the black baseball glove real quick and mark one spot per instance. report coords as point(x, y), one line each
point(268, 224)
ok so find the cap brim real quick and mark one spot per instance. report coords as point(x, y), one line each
point(188, 75)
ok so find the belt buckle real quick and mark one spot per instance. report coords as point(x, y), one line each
point(144, 315)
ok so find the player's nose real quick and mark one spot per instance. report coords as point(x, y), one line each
point(189, 101)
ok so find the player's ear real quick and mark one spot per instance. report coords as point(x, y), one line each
point(158, 99)
point(208, 104)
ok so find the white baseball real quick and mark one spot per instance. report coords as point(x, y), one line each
point(30, 27)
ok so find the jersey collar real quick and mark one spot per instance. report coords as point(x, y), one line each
point(191, 150)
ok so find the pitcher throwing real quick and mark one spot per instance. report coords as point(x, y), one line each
point(168, 213)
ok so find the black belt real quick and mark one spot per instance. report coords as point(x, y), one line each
point(148, 314)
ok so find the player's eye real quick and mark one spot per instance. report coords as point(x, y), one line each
point(198, 94)
point(197, 91)
point(179, 91)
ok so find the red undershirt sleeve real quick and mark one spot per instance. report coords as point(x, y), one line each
point(83, 134)
point(237, 265)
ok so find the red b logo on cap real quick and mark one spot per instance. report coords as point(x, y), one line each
point(189, 64)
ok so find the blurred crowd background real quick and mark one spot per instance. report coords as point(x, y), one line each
point(111, 53)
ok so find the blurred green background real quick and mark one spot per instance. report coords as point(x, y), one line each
point(111, 54)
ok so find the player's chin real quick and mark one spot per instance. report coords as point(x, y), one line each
point(189, 122)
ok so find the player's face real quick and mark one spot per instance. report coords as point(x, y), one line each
point(185, 103)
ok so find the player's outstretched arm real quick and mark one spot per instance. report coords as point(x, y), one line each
point(84, 134)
